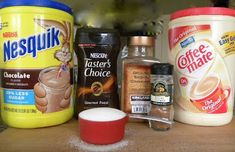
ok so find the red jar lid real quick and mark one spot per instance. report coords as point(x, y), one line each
point(203, 11)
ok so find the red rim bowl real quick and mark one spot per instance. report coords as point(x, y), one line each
point(97, 129)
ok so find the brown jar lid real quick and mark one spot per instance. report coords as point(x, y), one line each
point(142, 40)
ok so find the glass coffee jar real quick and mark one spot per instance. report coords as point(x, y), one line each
point(97, 51)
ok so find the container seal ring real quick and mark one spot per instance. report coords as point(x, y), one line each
point(40, 3)
point(203, 11)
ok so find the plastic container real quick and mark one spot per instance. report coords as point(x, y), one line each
point(36, 43)
point(102, 125)
point(201, 42)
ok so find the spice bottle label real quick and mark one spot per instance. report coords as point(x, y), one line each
point(204, 84)
point(161, 93)
point(137, 88)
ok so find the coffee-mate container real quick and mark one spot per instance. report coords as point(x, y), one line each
point(202, 48)
point(36, 63)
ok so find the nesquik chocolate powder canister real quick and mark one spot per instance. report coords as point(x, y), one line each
point(97, 51)
point(36, 63)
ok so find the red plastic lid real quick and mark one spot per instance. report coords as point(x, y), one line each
point(203, 11)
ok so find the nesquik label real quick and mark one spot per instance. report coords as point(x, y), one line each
point(36, 66)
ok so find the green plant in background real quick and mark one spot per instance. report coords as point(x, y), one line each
point(138, 17)
point(132, 16)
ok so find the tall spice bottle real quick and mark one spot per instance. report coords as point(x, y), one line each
point(162, 95)
point(136, 68)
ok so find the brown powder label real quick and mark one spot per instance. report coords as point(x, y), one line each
point(137, 88)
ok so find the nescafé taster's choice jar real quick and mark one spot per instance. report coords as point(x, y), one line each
point(36, 63)
point(202, 49)
point(97, 51)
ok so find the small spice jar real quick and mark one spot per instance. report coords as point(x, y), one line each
point(161, 95)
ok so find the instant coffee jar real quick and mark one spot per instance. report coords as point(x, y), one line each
point(97, 51)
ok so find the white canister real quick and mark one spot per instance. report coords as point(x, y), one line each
point(202, 48)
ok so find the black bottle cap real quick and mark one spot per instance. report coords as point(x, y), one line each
point(162, 69)
point(97, 36)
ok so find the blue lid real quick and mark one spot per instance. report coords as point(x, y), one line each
point(40, 3)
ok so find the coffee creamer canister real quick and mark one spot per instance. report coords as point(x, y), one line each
point(36, 63)
point(202, 48)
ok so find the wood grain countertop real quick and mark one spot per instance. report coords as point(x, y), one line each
point(138, 138)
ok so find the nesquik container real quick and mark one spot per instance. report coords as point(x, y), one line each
point(36, 43)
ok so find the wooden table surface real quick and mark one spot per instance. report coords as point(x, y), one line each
point(138, 138)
